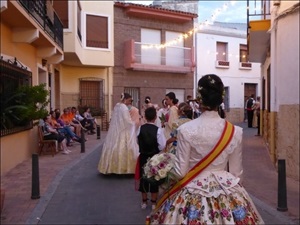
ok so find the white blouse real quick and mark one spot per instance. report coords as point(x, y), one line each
point(197, 138)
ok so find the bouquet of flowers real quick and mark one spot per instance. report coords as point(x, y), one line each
point(159, 167)
point(163, 119)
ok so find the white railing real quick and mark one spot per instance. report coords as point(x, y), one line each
point(152, 54)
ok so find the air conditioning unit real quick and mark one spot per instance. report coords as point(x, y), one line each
point(222, 64)
point(276, 2)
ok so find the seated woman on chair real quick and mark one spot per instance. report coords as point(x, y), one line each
point(87, 114)
point(65, 130)
point(50, 133)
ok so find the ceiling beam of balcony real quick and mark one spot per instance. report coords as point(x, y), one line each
point(55, 59)
point(46, 52)
point(25, 35)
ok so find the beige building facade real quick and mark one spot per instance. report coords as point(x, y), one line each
point(86, 72)
point(30, 47)
point(69, 48)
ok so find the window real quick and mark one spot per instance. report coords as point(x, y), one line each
point(61, 8)
point(243, 53)
point(12, 77)
point(174, 53)
point(149, 54)
point(96, 31)
point(92, 94)
point(221, 51)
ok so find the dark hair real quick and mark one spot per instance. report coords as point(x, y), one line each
point(147, 99)
point(171, 95)
point(185, 109)
point(211, 88)
point(125, 96)
point(150, 113)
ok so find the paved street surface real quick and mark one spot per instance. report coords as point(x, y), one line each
point(75, 193)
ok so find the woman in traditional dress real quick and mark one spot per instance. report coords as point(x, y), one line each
point(120, 149)
point(206, 193)
point(161, 114)
point(135, 115)
point(172, 114)
point(185, 113)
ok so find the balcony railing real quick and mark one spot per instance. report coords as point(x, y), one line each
point(151, 57)
point(42, 11)
point(257, 10)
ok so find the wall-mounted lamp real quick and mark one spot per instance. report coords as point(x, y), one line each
point(44, 62)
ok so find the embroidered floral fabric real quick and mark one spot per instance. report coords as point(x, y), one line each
point(215, 196)
point(188, 207)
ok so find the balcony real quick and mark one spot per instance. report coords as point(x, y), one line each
point(36, 23)
point(258, 38)
point(149, 57)
point(245, 66)
point(222, 64)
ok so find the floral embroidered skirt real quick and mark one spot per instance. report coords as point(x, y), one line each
point(217, 206)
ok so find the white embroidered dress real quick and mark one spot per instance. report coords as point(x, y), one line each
point(215, 195)
point(120, 149)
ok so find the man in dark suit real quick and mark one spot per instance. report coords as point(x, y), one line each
point(249, 105)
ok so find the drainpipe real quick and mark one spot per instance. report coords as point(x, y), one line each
point(196, 67)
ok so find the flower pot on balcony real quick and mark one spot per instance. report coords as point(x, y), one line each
point(2, 192)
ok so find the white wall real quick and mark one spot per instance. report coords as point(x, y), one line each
point(232, 77)
point(287, 61)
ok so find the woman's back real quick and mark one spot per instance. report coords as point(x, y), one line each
point(198, 137)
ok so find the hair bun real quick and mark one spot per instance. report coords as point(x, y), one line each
point(211, 88)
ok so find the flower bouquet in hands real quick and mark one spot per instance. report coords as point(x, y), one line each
point(162, 119)
point(158, 168)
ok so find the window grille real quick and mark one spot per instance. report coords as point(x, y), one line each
point(11, 78)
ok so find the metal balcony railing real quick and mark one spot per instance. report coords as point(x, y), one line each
point(42, 11)
point(258, 10)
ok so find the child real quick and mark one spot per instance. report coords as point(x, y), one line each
point(151, 141)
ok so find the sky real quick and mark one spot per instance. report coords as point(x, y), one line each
point(235, 13)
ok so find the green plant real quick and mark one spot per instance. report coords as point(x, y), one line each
point(28, 103)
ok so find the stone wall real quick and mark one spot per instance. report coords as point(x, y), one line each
point(69, 100)
point(235, 115)
point(288, 138)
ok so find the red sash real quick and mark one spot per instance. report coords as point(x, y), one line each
point(201, 165)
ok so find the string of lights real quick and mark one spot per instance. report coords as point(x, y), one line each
point(198, 27)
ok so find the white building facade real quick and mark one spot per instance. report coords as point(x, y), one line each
point(221, 49)
point(274, 42)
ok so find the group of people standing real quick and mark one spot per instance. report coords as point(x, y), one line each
point(252, 108)
point(206, 190)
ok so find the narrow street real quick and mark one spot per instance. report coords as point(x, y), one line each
point(83, 196)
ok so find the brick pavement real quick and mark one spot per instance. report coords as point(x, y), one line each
point(260, 178)
point(18, 204)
